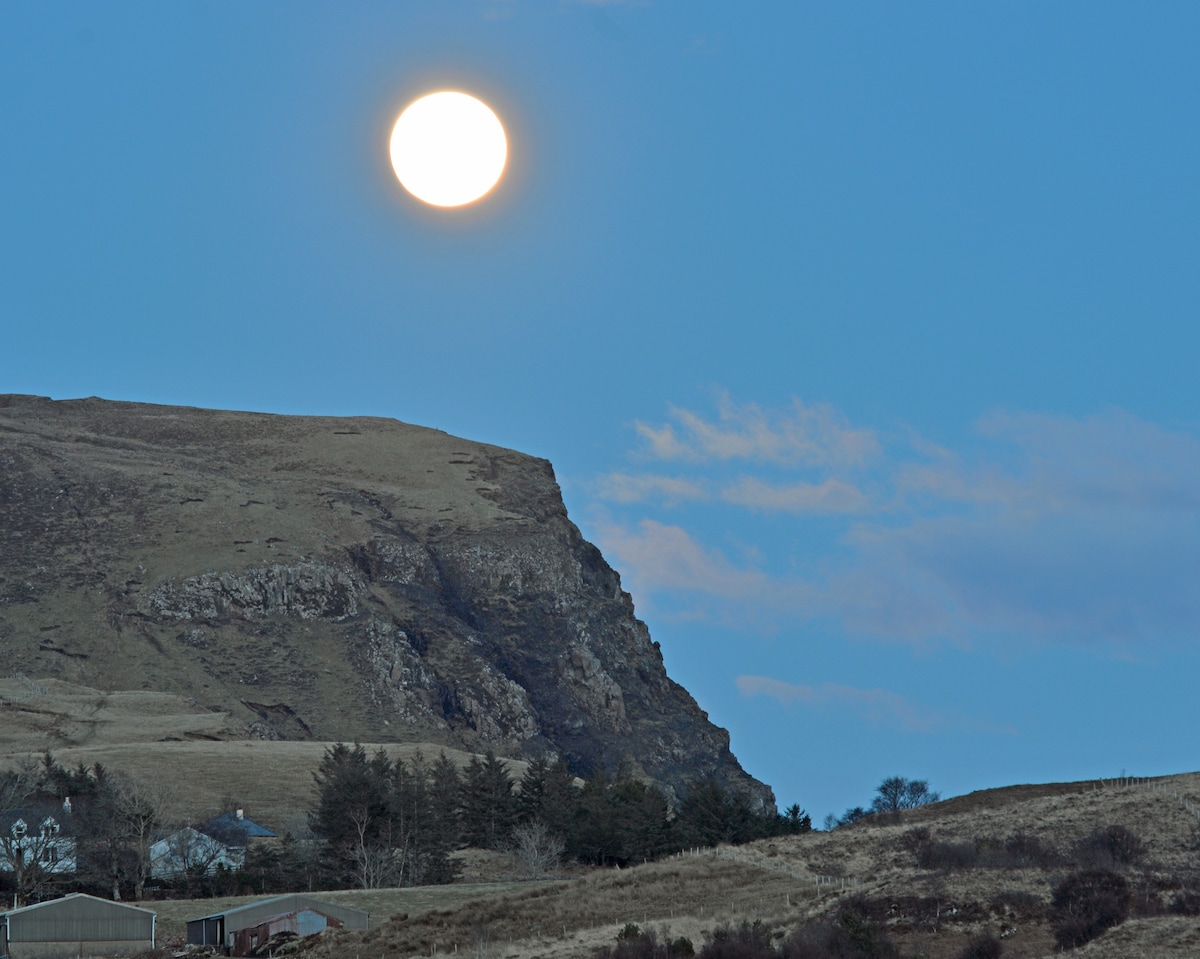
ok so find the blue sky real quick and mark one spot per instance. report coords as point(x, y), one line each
point(862, 337)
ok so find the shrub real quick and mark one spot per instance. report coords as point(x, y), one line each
point(635, 943)
point(1025, 904)
point(851, 935)
point(850, 816)
point(1023, 850)
point(681, 947)
point(946, 856)
point(747, 941)
point(820, 940)
point(1186, 902)
point(1113, 845)
point(915, 839)
point(982, 946)
point(1087, 903)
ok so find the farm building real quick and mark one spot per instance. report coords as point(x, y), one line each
point(76, 925)
point(237, 931)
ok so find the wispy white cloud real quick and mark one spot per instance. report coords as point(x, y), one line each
point(878, 706)
point(666, 557)
point(661, 557)
point(806, 435)
point(830, 496)
point(638, 488)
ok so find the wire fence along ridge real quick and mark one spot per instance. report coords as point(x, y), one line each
point(1159, 786)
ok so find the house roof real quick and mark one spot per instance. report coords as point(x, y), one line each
point(189, 834)
point(34, 815)
point(228, 825)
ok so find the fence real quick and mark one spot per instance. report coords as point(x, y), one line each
point(818, 883)
point(1164, 789)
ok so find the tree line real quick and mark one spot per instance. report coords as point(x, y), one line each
point(375, 822)
point(384, 822)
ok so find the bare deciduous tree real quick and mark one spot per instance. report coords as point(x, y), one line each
point(377, 864)
point(120, 821)
point(535, 848)
point(141, 805)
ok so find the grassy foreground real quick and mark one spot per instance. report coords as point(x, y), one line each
point(931, 907)
point(382, 904)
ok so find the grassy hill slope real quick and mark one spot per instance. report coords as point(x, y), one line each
point(934, 877)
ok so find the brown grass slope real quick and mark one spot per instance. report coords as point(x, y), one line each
point(382, 904)
point(163, 737)
point(930, 912)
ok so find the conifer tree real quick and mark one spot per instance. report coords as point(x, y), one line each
point(489, 808)
point(354, 814)
point(445, 796)
point(531, 799)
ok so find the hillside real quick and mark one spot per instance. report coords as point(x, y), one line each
point(164, 737)
point(975, 883)
point(286, 578)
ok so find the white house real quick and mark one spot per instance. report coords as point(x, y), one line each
point(29, 838)
point(190, 850)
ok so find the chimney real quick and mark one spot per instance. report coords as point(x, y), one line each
point(239, 815)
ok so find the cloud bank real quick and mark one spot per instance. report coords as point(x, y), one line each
point(1045, 528)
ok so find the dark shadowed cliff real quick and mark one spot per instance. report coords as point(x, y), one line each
point(330, 578)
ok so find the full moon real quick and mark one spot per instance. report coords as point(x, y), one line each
point(448, 148)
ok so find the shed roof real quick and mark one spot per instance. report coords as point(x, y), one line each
point(255, 912)
point(78, 918)
point(61, 901)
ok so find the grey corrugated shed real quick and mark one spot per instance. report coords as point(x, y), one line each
point(215, 929)
point(73, 920)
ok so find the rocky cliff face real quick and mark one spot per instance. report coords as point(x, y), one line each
point(333, 579)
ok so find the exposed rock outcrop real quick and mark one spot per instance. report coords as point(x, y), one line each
point(365, 578)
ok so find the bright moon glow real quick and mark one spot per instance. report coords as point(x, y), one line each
point(448, 148)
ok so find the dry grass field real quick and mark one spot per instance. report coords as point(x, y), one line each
point(272, 781)
point(161, 737)
point(930, 912)
point(36, 715)
point(382, 904)
point(934, 876)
